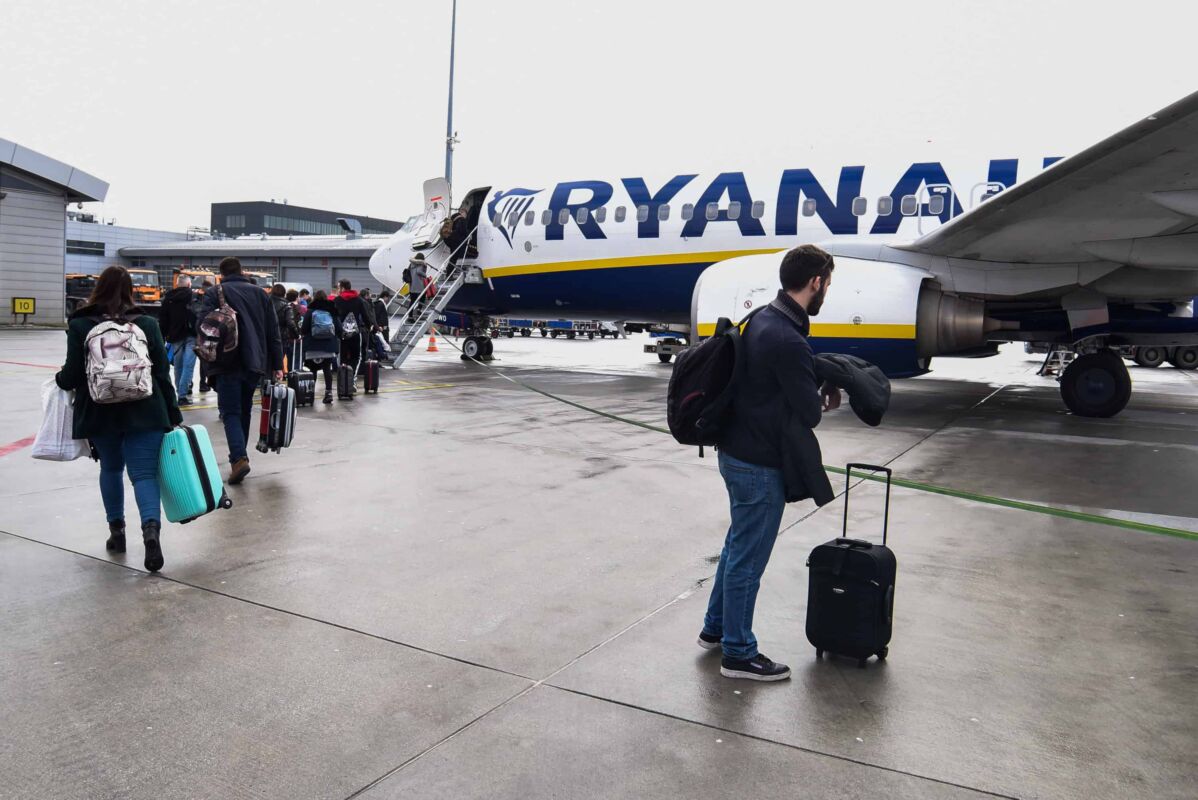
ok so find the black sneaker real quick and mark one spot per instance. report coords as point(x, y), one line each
point(757, 668)
point(709, 642)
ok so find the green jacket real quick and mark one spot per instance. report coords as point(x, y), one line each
point(160, 411)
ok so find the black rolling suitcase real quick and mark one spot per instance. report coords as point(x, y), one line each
point(300, 380)
point(850, 595)
point(370, 376)
point(345, 382)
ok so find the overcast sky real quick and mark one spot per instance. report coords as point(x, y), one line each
point(342, 105)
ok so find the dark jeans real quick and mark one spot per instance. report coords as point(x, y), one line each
point(235, 400)
point(351, 351)
point(324, 365)
point(757, 496)
point(136, 452)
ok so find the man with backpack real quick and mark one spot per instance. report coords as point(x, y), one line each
point(776, 402)
point(239, 338)
point(354, 327)
point(177, 319)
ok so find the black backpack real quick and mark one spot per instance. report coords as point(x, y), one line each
point(703, 384)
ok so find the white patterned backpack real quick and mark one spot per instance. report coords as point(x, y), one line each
point(117, 362)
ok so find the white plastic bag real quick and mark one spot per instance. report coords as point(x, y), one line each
point(54, 442)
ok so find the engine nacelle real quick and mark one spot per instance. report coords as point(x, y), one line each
point(892, 315)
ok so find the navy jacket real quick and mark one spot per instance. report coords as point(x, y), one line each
point(258, 343)
point(777, 404)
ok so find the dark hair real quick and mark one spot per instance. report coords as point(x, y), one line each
point(303, 292)
point(802, 264)
point(207, 284)
point(113, 295)
point(345, 284)
point(230, 265)
point(385, 293)
point(320, 295)
point(364, 293)
point(278, 290)
point(292, 295)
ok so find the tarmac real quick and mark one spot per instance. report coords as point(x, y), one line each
point(461, 588)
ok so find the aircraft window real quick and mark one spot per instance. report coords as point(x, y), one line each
point(497, 220)
point(581, 215)
point(688, 211)
point(885, 206)
point(563, 216)
point(530, 217)
point(734, 210)
point(512, 218)
point(758, 209)
point(936, 205)
point(601, 214)
point(909, 205)
point(642, 213)
point(546, 217)
point(712, 212)
point(621, 212)
point(860, 205)
point(663, 212)
point(809, 207)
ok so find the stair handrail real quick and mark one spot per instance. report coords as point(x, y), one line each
point(440, 274)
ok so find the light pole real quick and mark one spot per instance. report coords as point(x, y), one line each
point(450, 136)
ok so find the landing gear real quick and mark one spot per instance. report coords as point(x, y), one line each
point(1096, 384)
point(1185, 357)
point(473, 347)
point(1150, 356)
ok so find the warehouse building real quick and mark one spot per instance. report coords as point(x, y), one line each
point(34, 192)
point(319, 261)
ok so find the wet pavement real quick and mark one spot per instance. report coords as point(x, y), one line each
point(460, 588)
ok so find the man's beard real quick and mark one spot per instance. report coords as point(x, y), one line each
point(817, 302)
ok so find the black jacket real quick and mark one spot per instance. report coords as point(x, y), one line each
point(285, 314)
point(177, 318)
point(777, 404)
point(258, 343)
point(349, 302)
point(381, 318)
point(368, 312)
point(158, 412)
point(867, 386)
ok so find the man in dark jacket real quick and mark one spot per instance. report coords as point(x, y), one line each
point(259, 354)
point(381, 317)
point(177, 319)
point(350, 305)
point(778, 387)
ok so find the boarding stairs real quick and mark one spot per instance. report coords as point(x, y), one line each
point(1055, 362)
point(410, 323)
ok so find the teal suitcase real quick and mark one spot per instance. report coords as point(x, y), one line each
point(188, 475)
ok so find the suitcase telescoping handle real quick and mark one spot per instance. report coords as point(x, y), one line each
point(848, 477)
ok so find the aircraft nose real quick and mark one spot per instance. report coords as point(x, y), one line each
point(387, 263)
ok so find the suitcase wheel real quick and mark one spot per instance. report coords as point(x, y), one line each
point(225, 502)
point(885, 651)
point(819, 653)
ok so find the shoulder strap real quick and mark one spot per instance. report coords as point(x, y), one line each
point(220, 295)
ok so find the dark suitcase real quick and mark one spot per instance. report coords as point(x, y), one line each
point(850, 595)
point(277, 424)
point(345, 382)
point(370, 377)
point(304, 385)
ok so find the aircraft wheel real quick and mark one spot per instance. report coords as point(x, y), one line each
point(1185, 357)
point(1149, 356)
point(488, 349)
point(664, 357)
point(472, 347)
point(1096, 385)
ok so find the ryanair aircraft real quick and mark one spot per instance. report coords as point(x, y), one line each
point(1088, 253)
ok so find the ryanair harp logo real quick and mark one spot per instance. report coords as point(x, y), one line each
point(507, 209)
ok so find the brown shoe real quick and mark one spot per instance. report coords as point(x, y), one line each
point(240, 469)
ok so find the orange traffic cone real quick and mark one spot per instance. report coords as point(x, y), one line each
point(432, 344)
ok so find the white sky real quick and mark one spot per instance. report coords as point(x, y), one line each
point(342, 105)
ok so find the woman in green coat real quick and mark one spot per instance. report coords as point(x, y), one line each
point(127, 435)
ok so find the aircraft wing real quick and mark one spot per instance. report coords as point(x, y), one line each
point(1130, 199)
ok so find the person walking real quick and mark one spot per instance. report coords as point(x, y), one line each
point(289, 329)
point(177, 321)
point(418, 282)
point(352, 313)
point(382, 318)
point(258, 355)
point(205, 287)
point(127, 433)
point(322, 342)
point(778, 390)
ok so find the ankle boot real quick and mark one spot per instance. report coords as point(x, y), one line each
point(149, 534)
point(116, 537)
point(328, 397)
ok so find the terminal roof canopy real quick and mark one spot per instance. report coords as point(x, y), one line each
point(80, 186)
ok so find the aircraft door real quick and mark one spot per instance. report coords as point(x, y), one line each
point(426, 230)
point(936, 200)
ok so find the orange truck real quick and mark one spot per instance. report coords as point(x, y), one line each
point(146, 290)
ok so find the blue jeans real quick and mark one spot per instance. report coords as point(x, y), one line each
point(184, 360)
point(137, 452)
point(235, 400)
point(757, 496)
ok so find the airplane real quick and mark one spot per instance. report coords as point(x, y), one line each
point(1087, 253)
